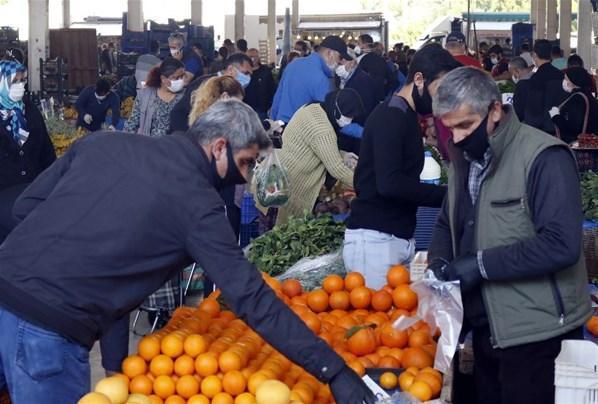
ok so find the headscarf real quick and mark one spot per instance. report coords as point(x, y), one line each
point(11, 112)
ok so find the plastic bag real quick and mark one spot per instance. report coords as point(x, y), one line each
point(311, 271)
point(271, 182)
point(440, 306)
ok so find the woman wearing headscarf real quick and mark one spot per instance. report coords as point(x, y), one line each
point(25, 147)
point(569, 117)
point(310, 149)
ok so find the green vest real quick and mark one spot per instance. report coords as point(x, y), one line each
point(534, 309)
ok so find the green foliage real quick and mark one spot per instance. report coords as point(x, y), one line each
point(589, 195)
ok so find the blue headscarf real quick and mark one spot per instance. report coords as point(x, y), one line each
point(11, 112)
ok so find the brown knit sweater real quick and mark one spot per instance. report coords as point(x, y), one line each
point(309, 150)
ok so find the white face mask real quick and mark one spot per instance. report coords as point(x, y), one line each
point(16, 91)
point(515, 79)
point(344, 121)
point(357, 50)
point(567, 87)
point(174, 52)
point(176, 85)
point(101, 97)
point(342, 72)
point(494, 61)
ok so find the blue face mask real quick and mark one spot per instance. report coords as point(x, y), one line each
point(243, 79)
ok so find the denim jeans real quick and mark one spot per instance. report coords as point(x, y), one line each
point(40, 366)
point(372, 253)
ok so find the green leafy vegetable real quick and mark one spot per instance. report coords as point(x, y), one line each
point(589, 195)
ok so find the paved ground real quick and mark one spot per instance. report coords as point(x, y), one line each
point(143, 327)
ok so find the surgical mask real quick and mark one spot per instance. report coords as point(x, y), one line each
point(16, 91)
point(494, 61)
point(243, 79)
point(515, 79)
point(344, 121)
point(232, 177)
point(176, 85)
point(101, 97)
point(357, 50)
point(342, 72)
point(423, 103)
point(477, 143)
point(567, 87)
point(174, 52)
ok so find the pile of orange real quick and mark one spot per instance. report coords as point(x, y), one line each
point(206, 355)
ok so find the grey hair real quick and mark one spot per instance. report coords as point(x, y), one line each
point(468, 86)
point(518, 63)
point(177, 37)
point(233, 120)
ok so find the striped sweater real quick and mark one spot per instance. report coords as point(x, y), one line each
point(309, 150)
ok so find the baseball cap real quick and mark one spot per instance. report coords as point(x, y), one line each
point(455, 37)
point(336, 43)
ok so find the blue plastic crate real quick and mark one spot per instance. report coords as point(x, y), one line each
point(426, 221)
point(249, 213)
point(248, 233)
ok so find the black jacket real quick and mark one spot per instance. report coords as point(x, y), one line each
point(522, 90)
point(20, 165)
point(570, 120)
point(180, 113)
point(376, 67)
point(87, 103)
point(116, 217)
point(260, 91)
point(364, 84)
point(545, 92)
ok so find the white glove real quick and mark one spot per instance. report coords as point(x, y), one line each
point(350, 160)
point(88, 119)
point(554, 111)
point(111, 127)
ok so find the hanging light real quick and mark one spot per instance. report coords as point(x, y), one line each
point(298, 36)
point(309, 38)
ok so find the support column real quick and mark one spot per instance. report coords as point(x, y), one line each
point(286, 48)
point(534, 17)
point(541, 20)
point(239, 19)
point(196, 12)
point(39, 12)
point(584, 32)
point(565, 27)
point(295, 15)
point(135, 15)
point(66, 13)
point(271, 31)
point(551, 20)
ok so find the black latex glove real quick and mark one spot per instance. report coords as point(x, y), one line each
point(437, 266)
point(466, 270)
point(348, 388)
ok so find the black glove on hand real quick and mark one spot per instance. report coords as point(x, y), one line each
point(348, 388)
point(466, 270)
point(437, 266)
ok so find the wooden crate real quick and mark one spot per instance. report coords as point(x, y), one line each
point(80, 50)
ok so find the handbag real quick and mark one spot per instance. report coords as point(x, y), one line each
point(585, 139)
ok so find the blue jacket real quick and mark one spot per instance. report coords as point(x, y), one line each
point(305, 80)
point(87, 103)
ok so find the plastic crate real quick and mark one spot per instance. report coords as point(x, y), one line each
point(426, 221)
point(576, 373)
point(249, 213)
point(248, 232)
point(590, 247)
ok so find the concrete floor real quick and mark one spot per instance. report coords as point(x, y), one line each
point(143, 327)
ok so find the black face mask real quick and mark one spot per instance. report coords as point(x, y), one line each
point(423, 103)
point(476, 144)
point(233, 175)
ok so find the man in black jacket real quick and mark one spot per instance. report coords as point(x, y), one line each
point(373, 64)
point(139, 210)
point(520, 74)
point(260, 92)
point(545, 89)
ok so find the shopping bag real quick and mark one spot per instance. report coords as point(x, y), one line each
point(271, 182)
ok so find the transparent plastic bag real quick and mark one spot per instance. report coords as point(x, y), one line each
point(440, 306)
point(271, 182)
point(311, 271)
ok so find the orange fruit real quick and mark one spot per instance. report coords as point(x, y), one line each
point(148, 348)
point(141, 385)
point(419, 338)
point(406, 379)
point(198, 399)
point(354, 280)
point(382, 301)
point(357, 367)
point(312, 321)
point(206, 364)
point(362, 342)
point(154, 399)
point(245, 398)
point(317, 300)
point(194, 345)
point(255, 380)
point(172, 345)
point(393, 338)
point(234, 383)
point(416, 357)
point(210, 306)
point(161, 365)
point(389, 380)
point(223, 398)
point(360, 297)
point(433, 372)
point(164, 386)
point(333, 283)
point(389, 362)
point(404, 298)
point(592, 325)
point(340, 300)
point(292, 287)
point(134, 365)
point(420, 390)
point(210, 386)
point(187, 386)
point(184, 365)
point(431, 381)
point(229, 361)
point(398, 275)
point(175, 400)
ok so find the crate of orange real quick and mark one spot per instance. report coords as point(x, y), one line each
point(208, 355)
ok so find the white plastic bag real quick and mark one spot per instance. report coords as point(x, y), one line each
point(440, 306)
point(311, 271)
point(271, 182)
